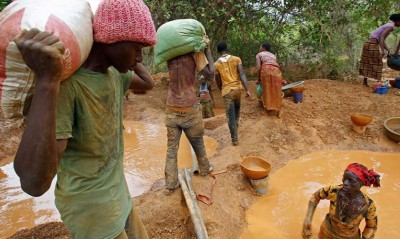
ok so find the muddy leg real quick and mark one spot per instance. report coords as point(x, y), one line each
point(171, 165)
point(229, 104)
point(210, 110)
point(195, 132)
point(237, 112)
point(134, 227)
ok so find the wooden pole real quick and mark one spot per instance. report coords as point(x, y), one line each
point(194, 210)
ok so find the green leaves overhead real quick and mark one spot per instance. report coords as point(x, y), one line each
point(322, 32)
point(306, 31)
point(4, 3)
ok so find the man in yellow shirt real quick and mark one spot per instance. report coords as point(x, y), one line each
point(230, 76)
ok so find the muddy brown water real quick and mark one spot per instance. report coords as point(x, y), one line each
point(255, 168)
point(280, 213)
point(144, 161)
point(145, 151)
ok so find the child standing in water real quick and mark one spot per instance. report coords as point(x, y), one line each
point(205, 98)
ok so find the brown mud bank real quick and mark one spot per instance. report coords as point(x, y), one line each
point(321, 122)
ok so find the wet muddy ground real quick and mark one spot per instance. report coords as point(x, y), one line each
point(321, 122)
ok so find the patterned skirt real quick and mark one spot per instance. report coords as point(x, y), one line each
point(371, 62)
point(326, 232)
point(271, 82)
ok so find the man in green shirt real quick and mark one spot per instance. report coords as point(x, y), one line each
point(74, 128)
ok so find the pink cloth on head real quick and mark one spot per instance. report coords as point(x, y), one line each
point(123, 20)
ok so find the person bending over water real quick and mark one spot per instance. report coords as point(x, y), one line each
point(348, 206)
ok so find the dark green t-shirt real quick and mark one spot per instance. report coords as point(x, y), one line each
point(91, 194)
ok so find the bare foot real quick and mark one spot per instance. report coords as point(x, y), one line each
point(280, 114)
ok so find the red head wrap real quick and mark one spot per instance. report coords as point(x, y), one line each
point(368, 177)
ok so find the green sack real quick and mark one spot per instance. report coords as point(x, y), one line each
point(259, 91)
point(179, 37)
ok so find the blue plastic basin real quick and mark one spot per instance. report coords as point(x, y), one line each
point(382, 90)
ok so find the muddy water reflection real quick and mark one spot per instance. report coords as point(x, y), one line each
point(145, 150)
point(19, 210)
point(280, 214)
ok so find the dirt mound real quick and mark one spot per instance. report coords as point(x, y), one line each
point(52, 230)
point(214, 122)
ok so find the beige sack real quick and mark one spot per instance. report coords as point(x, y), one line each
point(70, 20)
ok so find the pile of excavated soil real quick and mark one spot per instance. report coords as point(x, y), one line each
point(321, 122)
point(52, 230)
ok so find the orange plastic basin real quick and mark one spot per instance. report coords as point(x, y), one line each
point(255, 167)
point(361, 119)
point(297, 89)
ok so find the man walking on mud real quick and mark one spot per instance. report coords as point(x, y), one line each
point(184, 113)
point(74, 128)
point(230, 76)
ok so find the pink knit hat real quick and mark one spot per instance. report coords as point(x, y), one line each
point(123, 20)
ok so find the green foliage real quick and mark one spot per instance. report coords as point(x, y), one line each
point(4, 3)
point(312, 38)
point(324, 35)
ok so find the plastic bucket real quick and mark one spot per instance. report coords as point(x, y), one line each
point(298, 97)
point(261, 185)
point(382, 90)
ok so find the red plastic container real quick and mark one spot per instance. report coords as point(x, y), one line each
point(376, 85)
